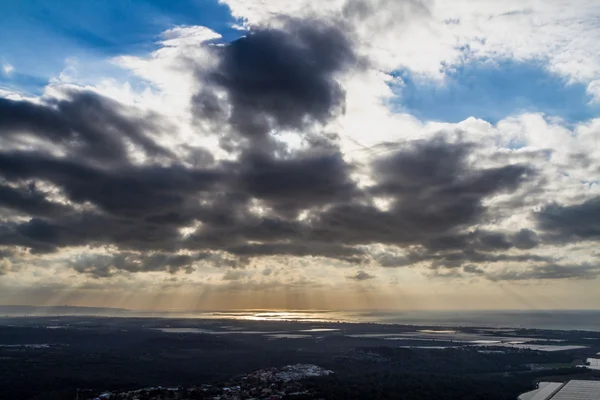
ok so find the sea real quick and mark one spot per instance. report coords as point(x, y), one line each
point(583, 320)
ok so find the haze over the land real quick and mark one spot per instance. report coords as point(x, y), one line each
point(359, 154)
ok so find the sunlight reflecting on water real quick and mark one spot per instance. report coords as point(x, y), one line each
point(262, 315)
point(291, 316)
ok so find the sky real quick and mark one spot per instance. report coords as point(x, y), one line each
point(269, 154)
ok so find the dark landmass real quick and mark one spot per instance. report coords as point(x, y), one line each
point(26, 310)
point(53, 357)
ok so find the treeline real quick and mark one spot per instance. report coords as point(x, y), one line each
point(399, 386)
point(459, 361)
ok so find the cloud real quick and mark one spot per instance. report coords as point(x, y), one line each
point(361, 276)
point(549, 272)
point(575, 222)
point(86, 124)
point(454, 259)
point(276, 79)
point(106, 265)
point(29, 201)
point(525, 239)
point(131, 189)
point(433, 193)
point(304, 202)
point(302, 182)
point(593, 90)
point(5, 266)
point(472, 269)
point(183, 36)
point(254, 168)
point(234, 275)
point(7, 69)
point(341, 252)
point(394, 34)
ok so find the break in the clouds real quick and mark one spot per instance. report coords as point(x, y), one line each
point(309, 145)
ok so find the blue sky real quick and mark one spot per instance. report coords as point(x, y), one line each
point(38, 36)
point(492, 90)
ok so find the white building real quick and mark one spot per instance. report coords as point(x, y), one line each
point(572, 390)
point(593, 363)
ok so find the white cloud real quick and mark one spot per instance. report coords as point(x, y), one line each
point(70, 73)
point(432, 36)
point(7, 69)
point(5, 266)
point(239, 27)
point(187, 36)
point(593, 90)
point(234, 275)
point(6, 94)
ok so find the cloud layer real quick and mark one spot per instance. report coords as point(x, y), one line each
point(260, 168)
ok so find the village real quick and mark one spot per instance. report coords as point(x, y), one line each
point(265, 384)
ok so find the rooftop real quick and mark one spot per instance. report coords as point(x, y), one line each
point(579, 390)
point(573, 390)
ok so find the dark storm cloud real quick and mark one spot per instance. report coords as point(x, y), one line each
point(434, 193)
point(233, 226)
point(549, 271)
point(291, 185)
point(101, 266)
point(277, 78)
point(484, 241)
point(494, 241)
point(87, 124)
point(435, 188)
point(267, 199)
point(86, 228)
point(449, 242)
point(5, 253)
point(98, 229)
point(198, 157)
point(403, 260)
point(29, 201)
point(456, 259)
point(361, 276)
point(127, 190)
point(571, 223)
point(473, 269)
point(36, 234)
point(422, 163)
point(525, 239)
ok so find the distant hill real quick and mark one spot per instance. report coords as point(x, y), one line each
point(21, 310)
